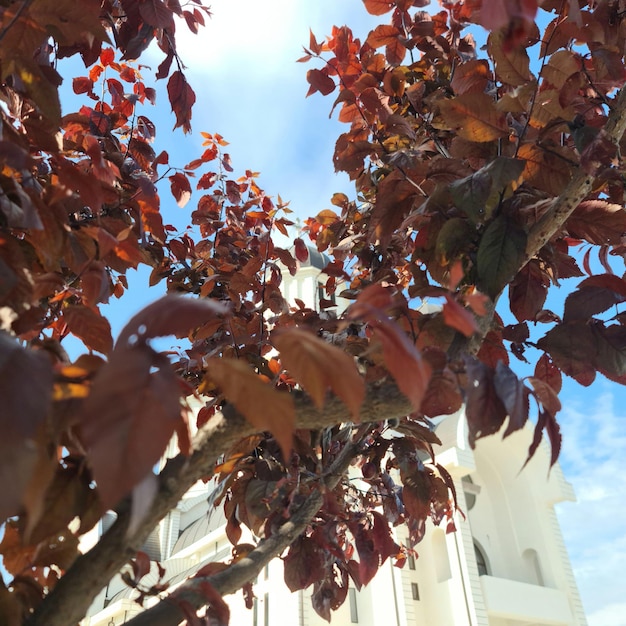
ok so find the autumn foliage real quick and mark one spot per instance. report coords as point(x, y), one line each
point(480, 179)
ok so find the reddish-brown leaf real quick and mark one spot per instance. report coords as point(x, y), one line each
point(25, 389)
point(319, 80)
point(512, 63)
point(594, 295)
point(470, 77)
point(545, 170)
point(528, 292)
point(383, 35)
point(218, 609)
point(378, 7)
point(484, 408)
point(598, 222)
point(443, 396)
point(474, 116)
point(156, 13)
point(549, 373)
point(128, 419)
point(546, 395)
point(182, 99)
point(303, 563)
point(301, 250)
point(263, 406)
point(496, 14)
point(181, 188)
point(395, 51)
point(318, 366)
point(403, 360)
point(89, 326)
point(514, 396)
point(170, 315)
point(458, 317)
point(82, 84)
point(573, 349)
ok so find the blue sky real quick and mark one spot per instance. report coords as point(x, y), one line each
point(251, 91)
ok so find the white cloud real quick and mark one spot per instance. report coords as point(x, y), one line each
point(611, 615)
point(251, 90)
point(594, 528)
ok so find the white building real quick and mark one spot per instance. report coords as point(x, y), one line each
point(505, 566)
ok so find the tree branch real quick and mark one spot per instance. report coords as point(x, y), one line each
point(577, 189)
point(69, 601)
point(167, 611)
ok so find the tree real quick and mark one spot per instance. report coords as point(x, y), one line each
point(474, 177)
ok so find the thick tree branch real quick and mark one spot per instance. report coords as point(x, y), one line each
point(68, 602)
point(577, 189)
point(168, 613)
point(547, 226)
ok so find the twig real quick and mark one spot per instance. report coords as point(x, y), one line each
point(167, 613)
point(14, 19)
point(577, 189)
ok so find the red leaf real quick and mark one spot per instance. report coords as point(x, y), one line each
point(127, 401)
point(471, 76)
point(514, 396)
point(573, 347)
point(598, 222)
point(395, 52)
point(314, 47)
point(548, 372)
point(318, 366)
point(546, 395)
point(594, 295)
point(474, 116)
point(383, 35)
point(484, 409)
point(369, 559)
point(181, 188)
point(528, 292)
point(378, 7)
point(263, 406)
point(25, 389)
point(182, 99)
point(546, 421)
point(497, 14)
point(319, 81)
point(372, 298)
point(302, 252)
point(403, 360)
point(82, 84)
point(107, 56)
point(218, 608)
point(156, 13)
point(304, 564)
point(458, 317)
point(89, 326)
point(170, 315)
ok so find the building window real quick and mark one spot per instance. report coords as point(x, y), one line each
point(354, 613)
point(321, 294)
point(533, 567)
point(415, 591)
point(471, 490)
point(481, 561)
point(411, 560)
